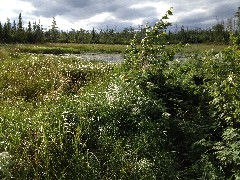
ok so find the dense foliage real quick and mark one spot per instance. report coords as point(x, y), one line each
point(154, 116)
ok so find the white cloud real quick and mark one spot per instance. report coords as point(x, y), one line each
point(12, 8)
point(101, 17)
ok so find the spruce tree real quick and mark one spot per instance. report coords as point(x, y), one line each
point(54, 31)
point(237, 15)
point(39, 32)
point(229, 25)
point(14, 32)
point(7, 32)
point(1, 33)
point(20, 30)
point(29, 33)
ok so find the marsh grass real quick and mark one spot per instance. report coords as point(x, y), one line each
point(199, 48)
point(36, 119)
point(72, 48)
point(54, 48)
point(36, 76)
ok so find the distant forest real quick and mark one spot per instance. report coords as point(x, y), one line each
point(14, 32)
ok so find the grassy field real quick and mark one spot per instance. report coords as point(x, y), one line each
point(53, 48)
point(198, 48)
point(71, 48)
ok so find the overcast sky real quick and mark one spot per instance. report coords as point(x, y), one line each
point(118, 14)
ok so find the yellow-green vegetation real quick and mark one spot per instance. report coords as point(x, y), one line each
point(62, 48)
point(144, 118)
point(198, 48)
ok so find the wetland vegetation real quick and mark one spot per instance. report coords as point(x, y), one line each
point(141, 118)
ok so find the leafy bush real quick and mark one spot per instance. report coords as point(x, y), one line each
point(213, 80)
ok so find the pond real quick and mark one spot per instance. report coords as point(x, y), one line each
point(108, 57)
point(114, 58)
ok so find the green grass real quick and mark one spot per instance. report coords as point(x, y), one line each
point(35, 76)
point(41, 110)
point(61, 48)
point(71, 48)
point(198, 48)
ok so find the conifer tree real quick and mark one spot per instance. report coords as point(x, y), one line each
point(7, 32)
point(54, 31)
point(14, 32)
point(237, 15)
point(40, 32)
point(20, 30)
point(29, 33)
point(20, 22)
point(93, 37)
point(37, 32)
point(1, 33)
point(229, 25)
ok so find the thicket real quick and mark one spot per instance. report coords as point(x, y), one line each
point(150, 117)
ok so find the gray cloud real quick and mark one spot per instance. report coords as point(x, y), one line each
point(187, 12)
point(127, 13)
point(204, 13)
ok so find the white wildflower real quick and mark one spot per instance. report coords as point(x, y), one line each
point(166, 114)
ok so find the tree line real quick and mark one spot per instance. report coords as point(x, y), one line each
point(14, 32)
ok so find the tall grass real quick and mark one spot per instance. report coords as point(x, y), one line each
point(38, 77)
point(58, 123)
point(71, 48)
